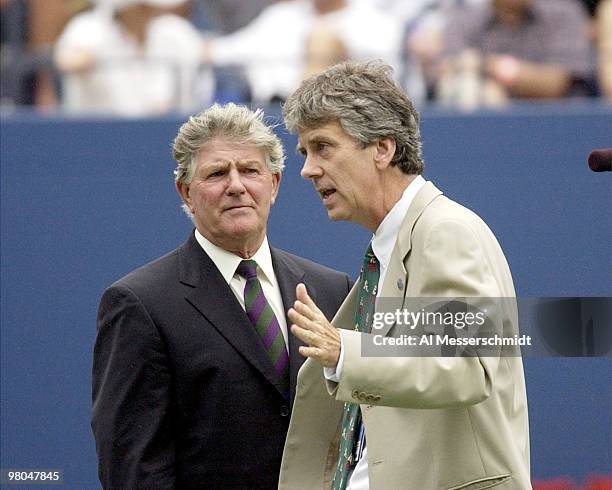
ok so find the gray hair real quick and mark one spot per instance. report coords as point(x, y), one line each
point(368, 104)
point(231, 121)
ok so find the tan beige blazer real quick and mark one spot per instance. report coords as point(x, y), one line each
point(431, 423)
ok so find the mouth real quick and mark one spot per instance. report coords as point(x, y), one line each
point(326, 193)
point(237, 207)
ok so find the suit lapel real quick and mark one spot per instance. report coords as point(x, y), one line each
point(345, 316)
point(214, 300)
point(289, 274)
point(396, 280)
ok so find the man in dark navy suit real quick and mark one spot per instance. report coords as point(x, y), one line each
point(194, 368)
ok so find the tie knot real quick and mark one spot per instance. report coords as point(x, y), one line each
point(247, 269)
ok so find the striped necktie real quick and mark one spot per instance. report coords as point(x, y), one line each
point(352, 438)
point(265, 322)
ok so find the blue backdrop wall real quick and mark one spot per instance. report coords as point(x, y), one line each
point(85, 201)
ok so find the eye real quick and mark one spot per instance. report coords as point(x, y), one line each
point(218, 173)
point(251, 170)
point(322, 146)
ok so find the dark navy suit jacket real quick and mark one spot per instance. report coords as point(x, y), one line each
point(184, 394)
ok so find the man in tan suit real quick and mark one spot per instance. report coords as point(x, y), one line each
point(402, 422)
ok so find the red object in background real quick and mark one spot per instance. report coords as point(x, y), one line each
point(592, 483)
point(599, 483)
point(556, 484)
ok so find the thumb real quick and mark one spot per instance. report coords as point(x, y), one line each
point(302, 295)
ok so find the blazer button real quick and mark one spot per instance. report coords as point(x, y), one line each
point(355, 394)
point(284, 411)
point(400, 284)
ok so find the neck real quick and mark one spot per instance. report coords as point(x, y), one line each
point(135, 19)
point(244, 248)
point(392, 184)
point(245, 252)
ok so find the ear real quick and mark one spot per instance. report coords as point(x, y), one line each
point(276, 180)
point(183, 190)
point(384, 151)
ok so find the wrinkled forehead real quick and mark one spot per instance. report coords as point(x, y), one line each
point(221, 149)
point(329, 130)
point(327, 126)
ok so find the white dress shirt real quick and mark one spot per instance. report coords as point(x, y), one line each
point(383, 242)
point(128, 78)
point(227, 263)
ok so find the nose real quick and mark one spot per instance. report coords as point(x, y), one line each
point(235, 185)
point(310, 170)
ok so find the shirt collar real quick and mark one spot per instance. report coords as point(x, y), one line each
point(227, 262)
point(386, 233)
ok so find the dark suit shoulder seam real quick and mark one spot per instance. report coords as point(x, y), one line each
point(125, 287)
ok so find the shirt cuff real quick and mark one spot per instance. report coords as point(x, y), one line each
point(334, 373)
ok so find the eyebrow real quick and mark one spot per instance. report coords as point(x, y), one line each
point(238, 162)
point(224, 164)
point(314, 139)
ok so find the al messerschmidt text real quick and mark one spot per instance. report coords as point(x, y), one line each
point(413, 340)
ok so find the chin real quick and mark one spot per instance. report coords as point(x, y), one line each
point(243, 231)
point(336, 216)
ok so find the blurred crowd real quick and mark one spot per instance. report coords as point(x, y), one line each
point(147, 57)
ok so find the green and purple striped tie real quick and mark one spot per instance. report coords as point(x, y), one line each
point(265, 322)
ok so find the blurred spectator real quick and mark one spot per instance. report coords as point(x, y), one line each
point(273, 47)
point(13, 37)
point(29, 28)
point(324, 48)
point(604, 45)
point(591, 8)
point(515, 48)
point(424, 24)
point(129, 57)
point(226, 16)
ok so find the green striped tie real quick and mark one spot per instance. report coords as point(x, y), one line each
point(351, 418)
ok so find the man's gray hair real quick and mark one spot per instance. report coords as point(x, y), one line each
point(233, 122)
point(368, 104)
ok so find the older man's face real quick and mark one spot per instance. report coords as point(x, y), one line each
point(342, 171)
point(231, 194)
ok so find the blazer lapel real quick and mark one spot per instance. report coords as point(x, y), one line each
point(289, 274)
point(214, 299)
point(396, 281)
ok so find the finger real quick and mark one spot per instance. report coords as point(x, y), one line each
point(299, 319)
point(304, 335)
point(313, 352)
point(302, 295)
point(304, 310)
